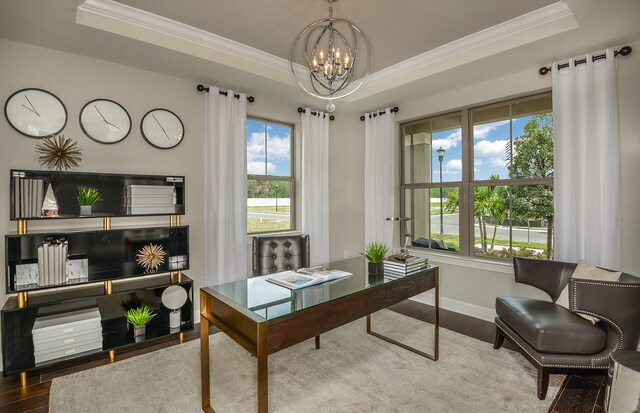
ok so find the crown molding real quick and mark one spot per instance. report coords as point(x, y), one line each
point(151, 28)
point(527, 28)
point(144, 26)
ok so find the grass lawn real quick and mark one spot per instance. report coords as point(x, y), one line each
point(284, 210)
point(453, 241)
point(254, 225)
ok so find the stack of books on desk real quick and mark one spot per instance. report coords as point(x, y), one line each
point(397, 268)
point(150, 199)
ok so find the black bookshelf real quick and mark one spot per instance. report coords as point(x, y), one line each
point(112, 189)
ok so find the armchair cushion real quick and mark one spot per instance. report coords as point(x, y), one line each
point(550, 328)
point(586, 271)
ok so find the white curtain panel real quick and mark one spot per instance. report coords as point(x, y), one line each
point(225, 187)
point(587, 162)
point(315, 184)
point(379, 174)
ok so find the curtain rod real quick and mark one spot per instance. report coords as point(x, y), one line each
point(202, 88)
point(302, 110)
point(624, 51)
point(393, 110)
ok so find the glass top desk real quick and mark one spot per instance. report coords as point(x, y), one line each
point(265, 318)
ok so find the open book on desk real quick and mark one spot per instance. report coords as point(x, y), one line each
point(305, 277)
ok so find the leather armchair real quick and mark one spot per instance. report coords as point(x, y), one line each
point(279, 253)
point(558, 341)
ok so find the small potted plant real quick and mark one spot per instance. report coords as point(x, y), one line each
point(139, 317)
point(375, 253)
point(87, 196)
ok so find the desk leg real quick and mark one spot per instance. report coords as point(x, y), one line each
point(263, 368)
point(204, 365)
point(436, 332)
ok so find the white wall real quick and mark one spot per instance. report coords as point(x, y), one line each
point(77, 80)
point(468, 283)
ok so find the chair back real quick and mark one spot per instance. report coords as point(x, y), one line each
point(279, 253)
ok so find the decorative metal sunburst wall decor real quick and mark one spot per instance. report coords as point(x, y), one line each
point(151, 257)
point(58, 153)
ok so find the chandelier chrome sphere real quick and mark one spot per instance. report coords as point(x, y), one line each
point(333, 66)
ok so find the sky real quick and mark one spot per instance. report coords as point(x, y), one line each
point(270, 154)
point(489, 148)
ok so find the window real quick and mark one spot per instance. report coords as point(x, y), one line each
point(431, 183)
point(479, 181)
point(270, 175)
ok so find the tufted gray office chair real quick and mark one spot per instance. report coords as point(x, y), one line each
point(279, 253)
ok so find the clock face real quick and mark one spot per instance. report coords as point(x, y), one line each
point(162, 128)
point(35, 113)
point(105, 121)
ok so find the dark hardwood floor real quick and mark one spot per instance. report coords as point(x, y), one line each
point(579, 394)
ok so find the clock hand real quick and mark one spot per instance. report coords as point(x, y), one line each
point(105, 121)
point(109, 123)
point(165, 132)
point(28, 108)
point(34, 109)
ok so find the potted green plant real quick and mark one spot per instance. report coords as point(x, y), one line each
point(139, 317)
point(375, 253)
point(87, 196)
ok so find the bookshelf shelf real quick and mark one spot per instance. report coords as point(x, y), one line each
point(29, 190)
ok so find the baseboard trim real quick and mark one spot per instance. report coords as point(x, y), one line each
point(472, 310)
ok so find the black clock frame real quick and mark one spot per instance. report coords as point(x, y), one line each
point(145, 136)
point(66, 113)
point(94, 139)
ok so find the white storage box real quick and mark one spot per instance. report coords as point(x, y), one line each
point(64, 335)
point(67, 351)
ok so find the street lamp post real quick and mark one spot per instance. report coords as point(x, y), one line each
point(440, 153)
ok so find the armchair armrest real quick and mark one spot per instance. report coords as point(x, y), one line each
point(615, 303)
point(549, 276)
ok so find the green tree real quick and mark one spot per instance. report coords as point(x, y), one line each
point(533, 158)
point(489, 204)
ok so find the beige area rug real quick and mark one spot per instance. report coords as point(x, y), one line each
point(352, 372)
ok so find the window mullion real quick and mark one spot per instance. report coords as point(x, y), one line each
point(466, 192)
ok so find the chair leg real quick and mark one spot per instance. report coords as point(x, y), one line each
point(499, 338)
point(543, 382)
point(317, 342)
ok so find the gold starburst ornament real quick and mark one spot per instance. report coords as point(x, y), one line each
point(151, 257)
point(58, 153)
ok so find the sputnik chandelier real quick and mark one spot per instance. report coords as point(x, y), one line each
point(333, 66)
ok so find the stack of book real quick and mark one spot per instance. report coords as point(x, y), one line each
point(397, 268)
point(28, 197)
point(150, 199)
point(52, 262)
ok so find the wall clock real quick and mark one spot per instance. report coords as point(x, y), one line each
point(162, 128)
point(105, 121)
point(35, 113)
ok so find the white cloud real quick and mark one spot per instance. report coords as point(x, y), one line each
point(255, 147)
point(450, 141)
point(490, 148)
point(481, 131)
point(451, 167)
point(257, 168)
point(278, 147)
point(499, 162)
